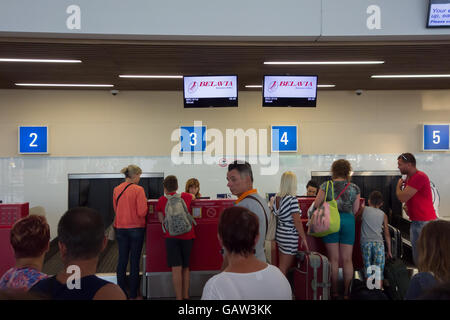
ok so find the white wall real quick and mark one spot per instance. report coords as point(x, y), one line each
point(44, 181)
point(93, 132)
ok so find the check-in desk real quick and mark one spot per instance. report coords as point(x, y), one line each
point(205, 260)
point(9, 214)
point(317, 245)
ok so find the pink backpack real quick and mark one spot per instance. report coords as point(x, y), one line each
point(320, 219)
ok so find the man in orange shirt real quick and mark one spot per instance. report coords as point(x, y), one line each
point(130, 205)
point(240, 182)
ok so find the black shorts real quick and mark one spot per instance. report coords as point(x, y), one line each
point(178, 252)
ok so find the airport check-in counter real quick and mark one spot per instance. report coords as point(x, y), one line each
point(9, 214)
point(317, 245)
point(205, 260)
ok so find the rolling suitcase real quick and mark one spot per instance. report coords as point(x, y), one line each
point(312, 277)
point(396, 242)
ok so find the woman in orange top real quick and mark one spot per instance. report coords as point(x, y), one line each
point(130, 205)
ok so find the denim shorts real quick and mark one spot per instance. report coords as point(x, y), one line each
point(346, 233)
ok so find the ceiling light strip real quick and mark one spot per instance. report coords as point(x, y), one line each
point(150, 76)
point(322, 62)
point(39, 60)
point(63, 85)
point(393, 76)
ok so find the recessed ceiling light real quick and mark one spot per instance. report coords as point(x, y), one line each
point(322, 62)
point(326, 85)
point(149, 76)
point(253, 86)
point(413, 76)
point(63, 85)
point(39, 60)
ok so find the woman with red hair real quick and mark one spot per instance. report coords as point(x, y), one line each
point(29, 238)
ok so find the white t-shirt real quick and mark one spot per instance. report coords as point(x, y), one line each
point(266, 284)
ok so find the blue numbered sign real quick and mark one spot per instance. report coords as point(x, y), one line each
point(193, 139)
point(284, 138)
point(33, 140)
point(436, 137)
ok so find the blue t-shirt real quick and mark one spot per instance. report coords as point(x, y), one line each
point(419, 284)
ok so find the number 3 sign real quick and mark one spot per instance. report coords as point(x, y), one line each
point(33, 140)
point(193, 139)
point(436, 137)
point(284, 138)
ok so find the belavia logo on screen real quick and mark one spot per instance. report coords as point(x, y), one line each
point(210, 87)
point(286, 86)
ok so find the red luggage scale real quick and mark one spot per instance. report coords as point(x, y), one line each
point(9, 214)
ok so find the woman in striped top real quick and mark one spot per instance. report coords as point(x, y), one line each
point(289, 225)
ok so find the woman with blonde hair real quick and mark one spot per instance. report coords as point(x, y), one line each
point(289, 225)
point(433, 248)
point(130, 205)
point(347, 196)
point(193, 187)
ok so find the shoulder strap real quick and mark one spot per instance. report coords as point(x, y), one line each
point(332, 190)
point(278, 199)
point(264, 210)
point(343, 190)
point(117, 200)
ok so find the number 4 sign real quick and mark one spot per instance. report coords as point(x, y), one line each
point(436, 137)
point(284, 138)
point(33, 140)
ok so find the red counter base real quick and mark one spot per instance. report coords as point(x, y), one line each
point(205, 260)
point(9, 214)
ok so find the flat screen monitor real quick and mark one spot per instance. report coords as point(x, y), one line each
point(210, 91)
point(289, 91)
point(438, 14)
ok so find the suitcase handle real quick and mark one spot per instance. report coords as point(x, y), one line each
point(301, 255)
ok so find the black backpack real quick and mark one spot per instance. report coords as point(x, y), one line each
point(359, 291)
point(396, 279)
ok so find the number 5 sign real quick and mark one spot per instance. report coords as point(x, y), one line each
point(33, 140)
point(436, 137)
point(193, 139)
point(284, 138)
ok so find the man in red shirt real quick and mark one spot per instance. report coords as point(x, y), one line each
point(415, 191)
point(178, 248)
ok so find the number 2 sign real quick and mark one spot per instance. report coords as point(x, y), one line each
point(284, 138)
point(33, 140)
point(436, 137)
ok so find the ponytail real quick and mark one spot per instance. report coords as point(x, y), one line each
point(131, 171)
